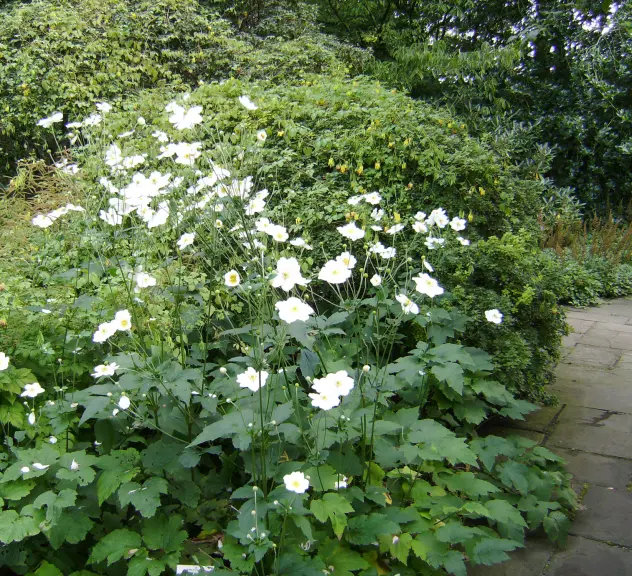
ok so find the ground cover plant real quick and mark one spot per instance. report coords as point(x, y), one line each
point(191, 382)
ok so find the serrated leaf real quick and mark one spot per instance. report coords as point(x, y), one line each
point(47, 569)
point(365, 529)
point(231, 424)
point(72, 527)
point(55, 503)
point(145, 498)
point(161, 533)
point(114, 546)
point(502, 511)
point(450, 373)
point(514, 474)
point(334, 507)
point(436, 442)
point(467, 483)
point(400, 547)
point(491, 550)
point(556, 526)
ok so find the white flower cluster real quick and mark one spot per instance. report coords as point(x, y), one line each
point(122, 323)
point(46, 220)
point(4, 361)
point(331, 389)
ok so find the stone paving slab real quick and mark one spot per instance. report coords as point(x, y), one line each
point(598, 356)
point(605, 515)
point(580, 326)
point(602, 433)
point(541, 420)
point(598, 336)
point(596, 469)
point(598, 315)
point(585, 557)
point(601, 396)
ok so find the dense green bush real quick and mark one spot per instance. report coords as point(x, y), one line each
point(185, 384)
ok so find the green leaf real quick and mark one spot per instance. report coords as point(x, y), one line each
point(437, 442)
point(490, 447)
point(160, 533)
point(333, 507)
point(502, 511)
point(514, 474)
point(455, 532)
point(47, 569)
point(233, 423)
point(118, 467)
point(467, 483)
point(491, 550)
point(454, 564)
point(556, 526)
point(365, 529)
point(55, 503)
point(72, 527)
point(145, 499)
point(400, 547)
point(16, 489)
point(16, 527)
point(114, 546)
point(344, 560)
point(450, 373)
point(429, 549)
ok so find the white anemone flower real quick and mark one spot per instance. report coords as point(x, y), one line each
point(300, 243)
point(373, 198)
point(342, 482)
point(32, 390)
point(438, 218)
point(53, 119)
point(494, 316)
point(160, 136)
point(296, 482)
point(433, 243)
point(408, 306)
point(42, 221)
point(377, 214)
point(262, 135)
point(25, 470)
point(325, 400)
point(334, 272)
point(111, 217)
point(52, 440)
point(124, 403)
point(252, 379)
point(278, 233)
point(184, 119)
point(4, 361)
point(351, 231)
point(144, 280)
point(31, 418)
point(395, 229)
point(355, 200)
point(123, 321)
point(458, 224)
point(339, 383)
point(427, 266)
point(420, 227)
point(247, 103)
point(40, 466)
point(74, 465)
point(288, 274)
point(104, 107)
point(105, 370)
point(463, 241)
point(420, 216)
point(104, 331)
point(186, 240)
point(425, 284)
point(294, 309)
point(376, 280)
point(232, 279)
point(347, 259)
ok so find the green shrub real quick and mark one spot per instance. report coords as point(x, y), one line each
point(147, 447)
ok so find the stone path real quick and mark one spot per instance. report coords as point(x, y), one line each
point(592, 429)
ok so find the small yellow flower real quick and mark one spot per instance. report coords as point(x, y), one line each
point(331, 163)
point(481, 191)
point(470, 217)
point(410, 186)
point(377, 165)
point(280, 133)
point(404, 166)
point(397, 217)
point(298, 220)
point(359, 170)
point(343, 168)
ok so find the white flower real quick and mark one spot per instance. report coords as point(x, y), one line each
point(31, 418)
point(122, 321)
point(247, 103)
point(338, 383)
point(4, 361)
point(160, 136)
point(133, 161)
point(324, 400)
point(376, 280)
point(262, 136)
point(347, 259)
point(104, 107)
point(296, 482)
point(186, 240)
point(300, 243)
point(53, 119)
point(420, 216)
point(288, 274)
point(428, 266)
point(159, 217)
point(439, 218)
point(354, 200)
point(433, 243)
point(25, 469)
point(42, 221)
point(373, 198)
point(183, 119)
point(144, 280)
point(278, 233)
point(334, 272)
point(32, 390)
point(294, 309)
point(92, 120)
point(115, 411)
point(457, 224)
point(39, 466)
point(104, 331)
point(351, 231)
point(341, 482)
point(112, 217)
point(377, 214)
point(408, 306)
point(141, 121)
point(74, 465)
point(52, 440)
point(395, 229)
point(113, 155)
point(105, 370)
point(494, 316)
point(463, 241)
point(427, 285)
point(255, 206)
point(232, 279)
point(420, 227)
point(126, 134)
point(388, 253)
point(252, 379)
point(124, 403)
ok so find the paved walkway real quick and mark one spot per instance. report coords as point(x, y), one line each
point(592, 429)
